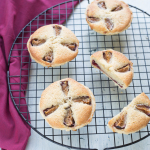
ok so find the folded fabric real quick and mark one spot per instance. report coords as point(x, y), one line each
point(15, 14)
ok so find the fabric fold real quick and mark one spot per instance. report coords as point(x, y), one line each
point(15, 14)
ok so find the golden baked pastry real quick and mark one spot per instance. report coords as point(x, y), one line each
point(53, 45)
point(108, 16)
point(67, 105)
point(133, 117)
point(114, 65)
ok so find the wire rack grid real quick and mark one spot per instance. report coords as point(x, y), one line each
point(133, 43)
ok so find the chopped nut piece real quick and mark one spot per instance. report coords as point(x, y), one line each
point(107, 55)
point(57, 29)
point(124, 68)
point(71, 46)
point(121, 122)
point(48, 57)
point(65, 87)
point(69, 120)
point(83, 99)
point(109, 24)
point(117, 8)
point(145, 109)
point(37, 42)
point(102, 5)
point(93, 19)
point(50, 110)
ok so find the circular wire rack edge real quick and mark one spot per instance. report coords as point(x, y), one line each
point(8, 77)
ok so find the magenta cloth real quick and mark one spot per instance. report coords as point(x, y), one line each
point(14, 15)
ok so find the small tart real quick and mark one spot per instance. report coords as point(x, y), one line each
point(114, 65)
point(67, 105)
point(108, 16)
point(132, 118)
point(53, 45)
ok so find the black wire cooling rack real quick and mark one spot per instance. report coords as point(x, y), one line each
point(134, 43)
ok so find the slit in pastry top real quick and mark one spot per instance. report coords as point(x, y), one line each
point(37, 42)
point(50, 110)
point(71, 46)
point(102, 5)
point(119, 7)
point(83, 99)
point(124, 68)
point(65, 87)
point(48, 57)
point(57, 29)
point(69, 120)
point(143, 108)
point(121, 122)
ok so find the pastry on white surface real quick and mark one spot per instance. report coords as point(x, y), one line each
point(133, 117)
point(108, 16)
point(115, 65)
point(53, 45)
point(67, 105)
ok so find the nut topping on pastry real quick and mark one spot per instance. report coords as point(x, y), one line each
point(109, 24)
point(117, 8)
point(93, 19)
point(48, 57)
point(102, 5)
point(48, 111)
point(121, 123)
point(107, 55)
point(37, 42)
point(57, 29)
point(145, 109)
point(83, 99)
point(65, 87)
point(71, 46)
point(69, 120)
point(124, 68)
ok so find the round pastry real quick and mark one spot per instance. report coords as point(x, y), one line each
point(67, 105)
point(114, 65)
point(53, 45)
point(108, 16)
point(133, 117)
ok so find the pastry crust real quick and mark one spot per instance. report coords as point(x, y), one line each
point(135, 119)
point(113, 67)
point(121, 19)
point(53, 42)
point(53, 95)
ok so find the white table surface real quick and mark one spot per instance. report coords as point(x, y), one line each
point(36, 142)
